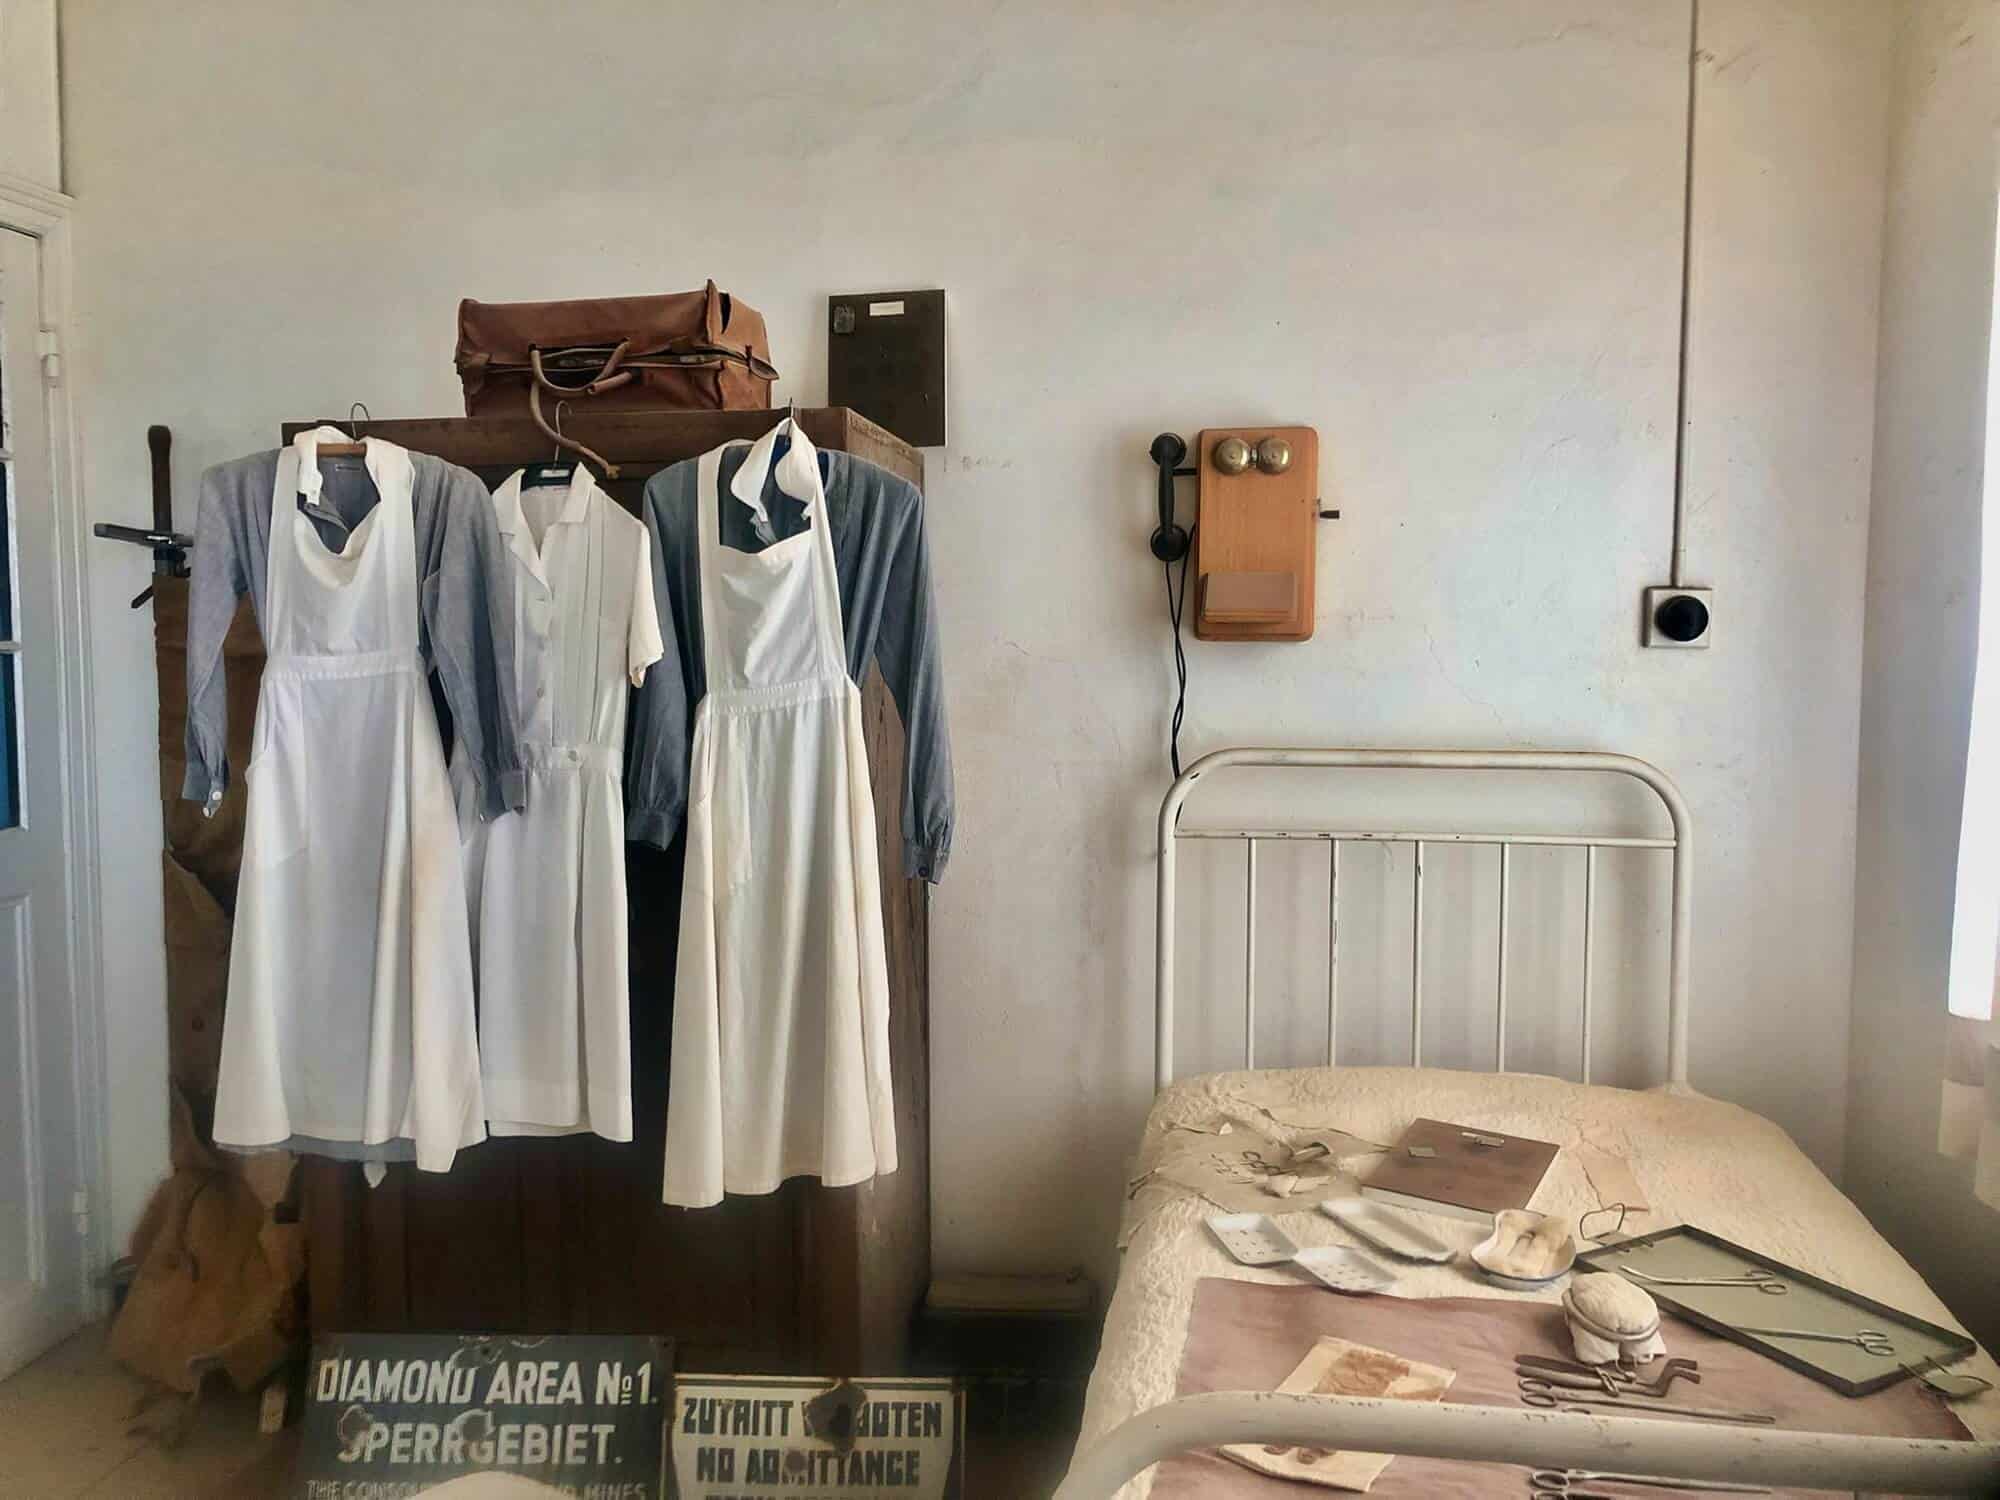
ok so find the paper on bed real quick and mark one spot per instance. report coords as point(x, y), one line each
point(1340, 1367)
point(1612, 1180)
point(1244, 1165)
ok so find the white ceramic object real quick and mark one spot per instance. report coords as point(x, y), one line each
point(1253, 1239)
point(1386, 1229)
point(1344, 1269)
point(1507, 1227)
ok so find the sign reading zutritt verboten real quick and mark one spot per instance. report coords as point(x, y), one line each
point(746, 1437)
point(394, 1415)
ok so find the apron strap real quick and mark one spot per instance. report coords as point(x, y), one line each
point(395, 551)
point(281, 554)
point(708, 538)
point(828, 619)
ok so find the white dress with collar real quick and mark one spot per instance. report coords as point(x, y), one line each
point(780, 1061)
point(547, 884)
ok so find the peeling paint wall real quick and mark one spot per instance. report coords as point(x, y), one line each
point(1446, 234)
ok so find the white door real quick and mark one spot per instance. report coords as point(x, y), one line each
point(41, 1253)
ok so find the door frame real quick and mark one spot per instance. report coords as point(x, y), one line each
point(44, 214)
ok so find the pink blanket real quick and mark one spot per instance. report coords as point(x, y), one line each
point(1247, 1336)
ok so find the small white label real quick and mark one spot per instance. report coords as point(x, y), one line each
point(885, 309)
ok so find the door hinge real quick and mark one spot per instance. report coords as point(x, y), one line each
point(48, 344)
point(79, 1208)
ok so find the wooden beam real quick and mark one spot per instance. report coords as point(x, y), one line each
point(639, 442)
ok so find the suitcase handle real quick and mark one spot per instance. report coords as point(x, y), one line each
point(609, 378)
point(535, 410)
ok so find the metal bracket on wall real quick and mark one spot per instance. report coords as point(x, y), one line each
point(170, 548)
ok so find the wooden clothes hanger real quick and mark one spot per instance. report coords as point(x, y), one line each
point(354, 448)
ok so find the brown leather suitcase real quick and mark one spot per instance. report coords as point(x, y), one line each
point(682, 351)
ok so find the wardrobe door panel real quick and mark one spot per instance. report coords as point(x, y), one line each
point(464, 1246)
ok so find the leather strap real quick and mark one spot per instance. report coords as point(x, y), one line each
point(608, 378)
point(711, 311)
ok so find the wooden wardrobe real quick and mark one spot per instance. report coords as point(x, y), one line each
point(569, 1234)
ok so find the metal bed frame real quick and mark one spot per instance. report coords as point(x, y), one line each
point(1171, 834)
point(1536, 1439)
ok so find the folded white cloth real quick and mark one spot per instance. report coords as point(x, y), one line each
point(1610, 1320)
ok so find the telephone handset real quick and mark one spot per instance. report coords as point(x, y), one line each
point(1169, 542)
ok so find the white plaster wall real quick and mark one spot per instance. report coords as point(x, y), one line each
point(1923, 621)
point(30, 124)
point(1444, 233)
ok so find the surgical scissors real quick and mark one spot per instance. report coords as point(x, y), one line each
point(1564, 1481)
point(1868, 1340)
point(1763, 1281)
point(1540, 1393)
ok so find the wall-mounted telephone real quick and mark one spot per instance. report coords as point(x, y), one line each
point(1255, 552)
point(1251, 549)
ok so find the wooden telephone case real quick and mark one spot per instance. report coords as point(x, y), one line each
point(1255, 551)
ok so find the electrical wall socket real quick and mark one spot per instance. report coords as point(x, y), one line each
point(1680, 619)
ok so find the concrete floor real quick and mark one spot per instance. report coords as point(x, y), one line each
point(71, 1427)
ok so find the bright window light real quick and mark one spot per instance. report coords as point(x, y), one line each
point(1975, 923)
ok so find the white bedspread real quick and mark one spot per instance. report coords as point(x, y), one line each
point(1699, 1162)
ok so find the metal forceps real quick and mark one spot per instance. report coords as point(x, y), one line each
point(1540, 1393)
point(1556, 1483)
point(1763, 1281)
point(1868, 1340)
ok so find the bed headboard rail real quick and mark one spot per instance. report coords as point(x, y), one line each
point(1676, 845)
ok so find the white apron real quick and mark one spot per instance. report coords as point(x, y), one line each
point(781, 994)
point(349, 1030)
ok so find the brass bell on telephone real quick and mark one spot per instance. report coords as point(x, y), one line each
point(1272, 455)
